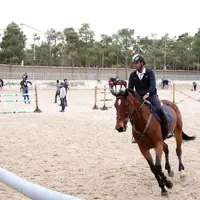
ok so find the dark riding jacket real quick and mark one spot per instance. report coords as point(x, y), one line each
point(146, 85)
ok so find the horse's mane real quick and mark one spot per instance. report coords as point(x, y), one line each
point(135, 94)
point(124, 93)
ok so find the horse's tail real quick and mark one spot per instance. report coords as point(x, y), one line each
point(187, 138)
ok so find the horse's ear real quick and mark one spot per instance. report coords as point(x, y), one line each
point(129, 90)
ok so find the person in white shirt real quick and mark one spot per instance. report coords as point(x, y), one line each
point(62, 97)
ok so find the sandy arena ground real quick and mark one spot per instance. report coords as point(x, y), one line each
point(80, 153)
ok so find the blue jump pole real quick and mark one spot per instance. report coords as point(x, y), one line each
point(11, 100)
point(18, 111)
point(19, 94)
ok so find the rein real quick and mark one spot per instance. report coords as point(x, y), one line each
point(137, 112)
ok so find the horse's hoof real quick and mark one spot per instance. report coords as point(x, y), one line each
point(164, 194)
point(169, 184)
point(171, 174)
point(182, 175)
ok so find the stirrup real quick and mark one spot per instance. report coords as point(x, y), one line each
point(170, 134)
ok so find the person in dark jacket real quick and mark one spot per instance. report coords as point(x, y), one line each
point(143, 81)
point(66, 86)
point(24, 88)
point(57, 90)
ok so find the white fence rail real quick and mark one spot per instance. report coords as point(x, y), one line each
point(31, 190)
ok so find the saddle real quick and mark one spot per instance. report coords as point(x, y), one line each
point(155, 112)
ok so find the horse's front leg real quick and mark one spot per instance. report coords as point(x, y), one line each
point(158, 169)
point(148, 157)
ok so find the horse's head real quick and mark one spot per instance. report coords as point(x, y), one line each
point(124, 109)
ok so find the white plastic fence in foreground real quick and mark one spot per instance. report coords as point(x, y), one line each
point(31, 190)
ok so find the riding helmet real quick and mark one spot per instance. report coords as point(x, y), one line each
point(138, 58)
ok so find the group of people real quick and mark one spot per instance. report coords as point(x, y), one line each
point(61, 92)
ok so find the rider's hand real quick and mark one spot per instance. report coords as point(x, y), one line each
point(145, 96)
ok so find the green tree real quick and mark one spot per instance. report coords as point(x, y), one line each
point(79, 48)
point(70, 48)
point(53, 38)
point(125, 38)
point(13, 44)
point(86, 37)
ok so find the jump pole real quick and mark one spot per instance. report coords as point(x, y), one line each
point(104, 100)
point(31, 190)
point(173, 90)
point(37, 110)
point(95, 99)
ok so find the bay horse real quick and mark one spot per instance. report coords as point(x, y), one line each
point(113, 82)
point(146, 130)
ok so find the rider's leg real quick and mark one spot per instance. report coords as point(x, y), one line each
point(164, 123)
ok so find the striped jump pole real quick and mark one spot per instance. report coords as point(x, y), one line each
point(95, 99)
point(16, 100)
point(12, 95)
point(31, 190)
point(19, 111)
point(174, 93)
point(37, 110)
point(105, 99)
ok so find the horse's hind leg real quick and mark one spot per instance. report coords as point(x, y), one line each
point(178, 135)
point(167, 164)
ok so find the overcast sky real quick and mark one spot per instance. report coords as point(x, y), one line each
point(104, 17)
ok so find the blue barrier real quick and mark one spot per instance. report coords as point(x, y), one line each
point(18, 111)
point(19, 94)
point(15, 100)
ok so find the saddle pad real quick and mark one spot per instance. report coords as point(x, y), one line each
point(168, 114)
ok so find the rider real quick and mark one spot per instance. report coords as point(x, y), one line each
point(25, 76)
point(117, 78)
point(144, 82)
point(24, 88)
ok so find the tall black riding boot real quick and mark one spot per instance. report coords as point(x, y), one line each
point(164, 124)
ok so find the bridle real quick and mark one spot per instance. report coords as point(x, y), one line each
point(136, 112)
